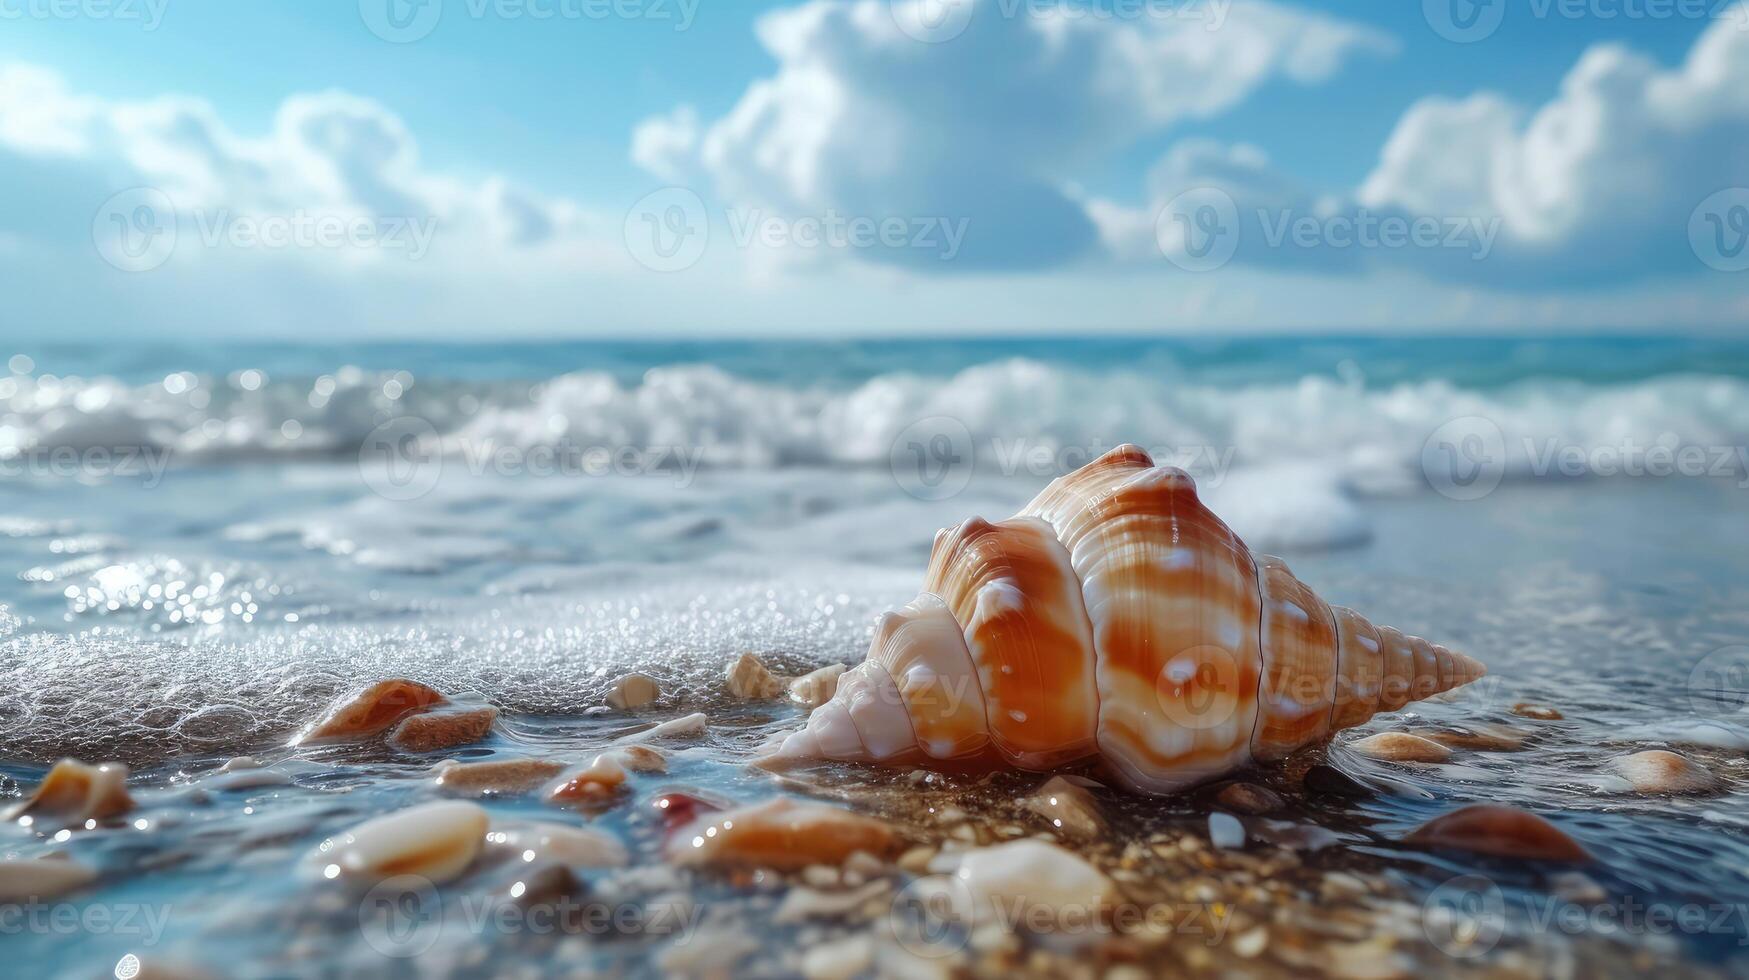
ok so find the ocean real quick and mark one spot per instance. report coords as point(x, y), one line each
point(205, 545)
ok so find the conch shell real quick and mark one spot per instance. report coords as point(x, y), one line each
point(1115, 618)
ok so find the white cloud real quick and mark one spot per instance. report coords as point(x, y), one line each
point(1597, 185)
point(325, 155)
point(1600, 181)
point(992, 125)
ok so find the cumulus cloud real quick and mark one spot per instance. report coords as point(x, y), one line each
point(326, 158)
point(991, 125)
point(1598, 185)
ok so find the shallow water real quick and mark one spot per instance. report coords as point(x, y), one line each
point(173, 622)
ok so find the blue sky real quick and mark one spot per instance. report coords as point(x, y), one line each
point(1028, 166)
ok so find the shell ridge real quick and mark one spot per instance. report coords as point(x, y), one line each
point(1262, 656)
point(1087, 622)
point(977, 681)
point(904, 709)
point(1336, 671)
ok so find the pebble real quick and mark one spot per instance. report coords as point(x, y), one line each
point(1541, 712)
point(750, 680)
point(1249, 798)
point(241, 762)
point(603, 778)
point(438, 730)
point(1226, 832)
point(547, 887)
point(840, 959)
point(678, 808)
point(710, 953)
point(1251, 943)
point(74, 792)
point(783, 833)
point(575, 846)
point(1401, 747)
point(434, 840)
point(816, 687)
point(641, 759)
point(1659, 771)
point(370, 711)
point(1036, 884)
point(821, 876)
point(507, 776)
point(802, 904)
point(1577, 887)
point(916, 860)
point(1068, 807)
point(41, 878)
point(1502, 831)
point(633, 691)
point(1295, 836)
point(1481, 738)
point(245, 779)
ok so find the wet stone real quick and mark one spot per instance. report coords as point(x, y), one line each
point(1501, 831)
point(1248, 798)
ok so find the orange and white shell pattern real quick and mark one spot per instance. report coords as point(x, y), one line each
point(1115, 617)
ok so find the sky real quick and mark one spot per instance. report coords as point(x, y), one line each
point(480, 169)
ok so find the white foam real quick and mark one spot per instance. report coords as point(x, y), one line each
point(1371, 438)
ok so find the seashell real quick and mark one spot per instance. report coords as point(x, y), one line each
point(782, 833)
point(74, 792)
point(749, 679)
point(1114, 619)
point(686, 726)
point(633, 691)
point(35, 879)
point(437, 730)
point(1502, 831)
point(370, 711)
point(436, 841)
